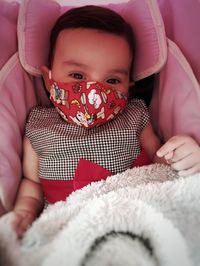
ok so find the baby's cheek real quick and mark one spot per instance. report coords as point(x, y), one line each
point(123, 89)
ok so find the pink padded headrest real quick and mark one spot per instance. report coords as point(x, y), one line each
point(8, 29)
point(37, 17)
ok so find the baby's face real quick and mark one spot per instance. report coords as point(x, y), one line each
point(92, 55)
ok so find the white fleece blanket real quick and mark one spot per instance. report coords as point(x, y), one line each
point(144, 216)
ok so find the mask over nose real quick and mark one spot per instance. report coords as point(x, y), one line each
point(86, 104)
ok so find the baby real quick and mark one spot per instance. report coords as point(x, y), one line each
point(93, 119)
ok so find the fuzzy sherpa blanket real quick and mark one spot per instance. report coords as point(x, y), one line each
point(144, 216)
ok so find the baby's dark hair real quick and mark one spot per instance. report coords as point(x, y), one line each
point(91, 17)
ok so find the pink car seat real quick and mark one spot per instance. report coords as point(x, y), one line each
point(8, 30)
point(175, 103)
point(21, 85)
point(181, 20)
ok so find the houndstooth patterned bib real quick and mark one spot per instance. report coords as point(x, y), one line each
point(60, 146)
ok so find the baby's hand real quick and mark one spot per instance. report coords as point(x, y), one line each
point(18, 220)
point(182, 152)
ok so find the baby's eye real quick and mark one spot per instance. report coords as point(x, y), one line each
point(76, 76)
point(113, 81)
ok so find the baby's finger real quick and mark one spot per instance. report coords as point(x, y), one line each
point(189, 149)
point(186, 163)
point(170, 146)
point(191, 171)
point(21, 229)
point(179, 154)
point(169, 155)
point(24, 224)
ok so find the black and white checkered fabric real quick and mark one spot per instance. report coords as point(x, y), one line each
point(60, 146)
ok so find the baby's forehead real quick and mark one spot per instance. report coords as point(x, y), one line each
point(84, 33)
point(83, 41)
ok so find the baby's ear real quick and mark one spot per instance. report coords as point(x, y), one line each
point(45, 74)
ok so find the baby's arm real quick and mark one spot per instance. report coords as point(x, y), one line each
point(182, 152)
point(29, 201)
point(151, 143)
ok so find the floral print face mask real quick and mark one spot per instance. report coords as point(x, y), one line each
point(87, 103)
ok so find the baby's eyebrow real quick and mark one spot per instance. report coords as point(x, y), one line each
point(75, 63)
point(120, 71)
